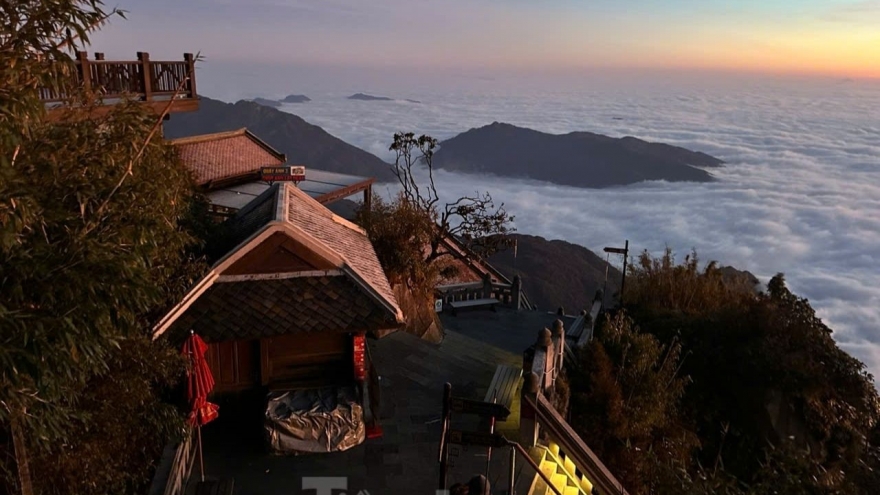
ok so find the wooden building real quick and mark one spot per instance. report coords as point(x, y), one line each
point(226, 166)
point(289, 306)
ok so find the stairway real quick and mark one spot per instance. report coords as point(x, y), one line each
point(560, 471)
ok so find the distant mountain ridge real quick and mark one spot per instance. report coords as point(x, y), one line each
point(557, 273)
point(581, 159)
point(296, 99)
point(267, 102)
point(302, 142)
point(366, 97)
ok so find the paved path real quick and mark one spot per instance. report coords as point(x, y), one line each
point(404, 460)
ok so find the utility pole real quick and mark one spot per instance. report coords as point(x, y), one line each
point(625, 252)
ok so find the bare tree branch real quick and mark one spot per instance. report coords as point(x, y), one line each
point(473, 220)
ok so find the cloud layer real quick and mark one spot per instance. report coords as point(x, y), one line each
point(800, 193)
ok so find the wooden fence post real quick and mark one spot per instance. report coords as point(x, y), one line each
point(487, 286)
point(146, 75)
point(85, 71)
point(559, 343)
point(191, 75)
point(528, 421)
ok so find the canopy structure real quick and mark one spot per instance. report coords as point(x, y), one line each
point(227, 166)
point(325, 187)
point(296, 267)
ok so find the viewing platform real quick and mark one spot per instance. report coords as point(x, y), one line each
point(156, 83)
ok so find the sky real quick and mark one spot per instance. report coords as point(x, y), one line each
point(837, 38)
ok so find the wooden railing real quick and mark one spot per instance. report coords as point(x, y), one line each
point(508, 294)
point(540, 422)
point(174, 469)
point(143, 78)
point(585, 460)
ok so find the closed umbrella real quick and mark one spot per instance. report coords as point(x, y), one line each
point(199, 383)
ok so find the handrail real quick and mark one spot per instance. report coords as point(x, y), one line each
point(574, 446)
point(519, 448)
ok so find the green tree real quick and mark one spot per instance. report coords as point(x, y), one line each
point(474, 220)
point(625, 397)
point(408, 232)
point(775, 403)
point(94, 242)
point(399, 232)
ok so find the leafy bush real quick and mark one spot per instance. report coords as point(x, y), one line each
point(776, 405)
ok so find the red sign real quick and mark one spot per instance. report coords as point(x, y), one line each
point(279, 174)
point(360, 365)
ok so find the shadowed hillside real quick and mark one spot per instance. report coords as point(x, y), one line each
point(557, 273)
point(580, 159)
point(303, 143)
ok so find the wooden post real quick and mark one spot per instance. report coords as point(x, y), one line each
point(487, 286)
point(146, 75)
point(191, 74)
point(559, 344)
point(368, 198)
point(85, 72)
point(528, 421)
point(517, 292)
point(544, 360)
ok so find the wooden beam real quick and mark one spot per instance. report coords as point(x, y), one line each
point(345, 192)
point(157, 106)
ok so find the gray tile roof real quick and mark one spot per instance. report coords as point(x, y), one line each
point(266, 308)
point(355, 296)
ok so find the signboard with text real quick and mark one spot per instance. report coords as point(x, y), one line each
point(295, 173)
point(480, 408)
point(477, 438)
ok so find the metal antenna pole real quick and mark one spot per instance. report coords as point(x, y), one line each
point(623, 280)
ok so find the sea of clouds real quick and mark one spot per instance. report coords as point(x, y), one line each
point(799, 194)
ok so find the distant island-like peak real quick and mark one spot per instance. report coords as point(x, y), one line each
point(581, 159)
point(296, 99)
point(366, 97)
point(267, 102)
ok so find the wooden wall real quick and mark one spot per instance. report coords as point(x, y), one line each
point(287, 361)
point(307, 360)
point(235, 365)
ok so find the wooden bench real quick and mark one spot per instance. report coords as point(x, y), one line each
point(473, 304)
point(504, 385)
point(221, 486)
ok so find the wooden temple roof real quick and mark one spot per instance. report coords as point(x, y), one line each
point(296, 267)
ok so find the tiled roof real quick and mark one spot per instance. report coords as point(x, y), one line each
point(355, 294)
point(254, 216)
point(345, 238)
point(266, 308)
point(224, 155)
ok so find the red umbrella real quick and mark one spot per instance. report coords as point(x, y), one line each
point(199, 383)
